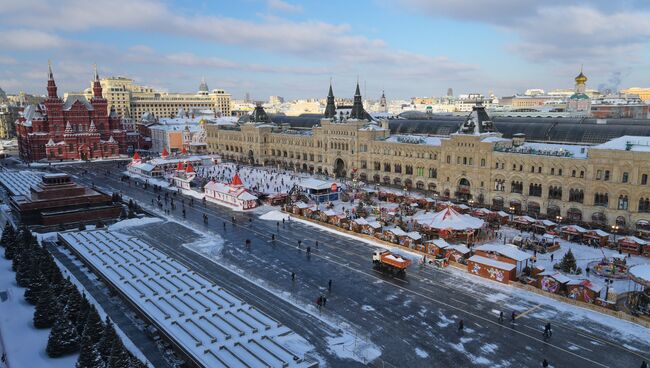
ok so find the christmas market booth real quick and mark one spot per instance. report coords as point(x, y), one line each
point(632, 244)
point(583, 290)
point(639, 299)
point(507, 253)
point(523, 222)
point(393, 234)
point(492, 269)
point(573, 232)
point(552, 282)
point(596, 237)
point(410, 239)
point(543, 226)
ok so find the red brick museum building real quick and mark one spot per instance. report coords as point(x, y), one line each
point(74, 129)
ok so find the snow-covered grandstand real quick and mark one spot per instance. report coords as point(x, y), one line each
point(211, 326)
point(19, 182)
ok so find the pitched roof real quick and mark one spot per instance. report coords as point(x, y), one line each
point(81, 99)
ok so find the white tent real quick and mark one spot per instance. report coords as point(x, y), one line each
point(449, 219)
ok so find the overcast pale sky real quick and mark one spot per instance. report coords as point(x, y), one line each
point(292, 48)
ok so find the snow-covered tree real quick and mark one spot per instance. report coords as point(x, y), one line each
point(93, 328)
point(37, 283)
point(109, 336)
point(63, 339)
point(119, 356)
point(8, 235)
point(46, 309)
point(89, 356)
point(23, 269)
point(568, 263)
point(84, 309)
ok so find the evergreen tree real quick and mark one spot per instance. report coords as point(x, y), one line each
point(119, 356)
point(93, 328)
point(37, 284)
point(63, 339)
point(109, 336)
point(568, 263)
point(8, 235)
point(46, 309)
point(135, 362)
point(73, 306)
point(23, 270)
point(89, 356)
point(84, 309)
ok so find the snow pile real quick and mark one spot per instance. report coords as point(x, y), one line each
point(349, 346)
point(133, 222)
point(275, 215)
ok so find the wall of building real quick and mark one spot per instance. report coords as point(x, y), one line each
point(439, 169)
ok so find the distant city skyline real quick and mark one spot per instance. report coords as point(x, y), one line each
point(291, 49)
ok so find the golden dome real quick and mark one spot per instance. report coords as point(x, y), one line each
point(581, 78)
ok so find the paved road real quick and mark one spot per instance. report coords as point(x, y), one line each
point(414, 321)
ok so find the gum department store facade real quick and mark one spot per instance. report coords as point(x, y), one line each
point(604, 184)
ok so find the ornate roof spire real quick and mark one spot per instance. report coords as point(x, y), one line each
point(51, 85)
point(330, 109)
point(97, 86)
point(357, 107)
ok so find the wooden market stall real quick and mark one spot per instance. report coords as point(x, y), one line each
point(597, 237)
point(524, 222)
point(573, 232)
point(505, 253)
point(492, 269)
point(632, 244)
point(410, 239)
point(552, 282)
point(583, 290)
point(543, 226)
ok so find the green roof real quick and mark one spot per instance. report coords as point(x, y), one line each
point(579, 96)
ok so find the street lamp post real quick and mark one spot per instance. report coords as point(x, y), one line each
point(559, 219)
point(512, 213)
point(614, 231)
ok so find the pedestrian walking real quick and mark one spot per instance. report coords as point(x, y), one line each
point(319, 302)
point(552, 257)
point(461, 326)
point(501, 317)
point(299, 243)
point(293, 276)
point(273, 238)
point(545, 363)
point(514, 316)
point(308, 250)
point(324, 300)
point(644, 364)
point(329, 286)
point(316, 244)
